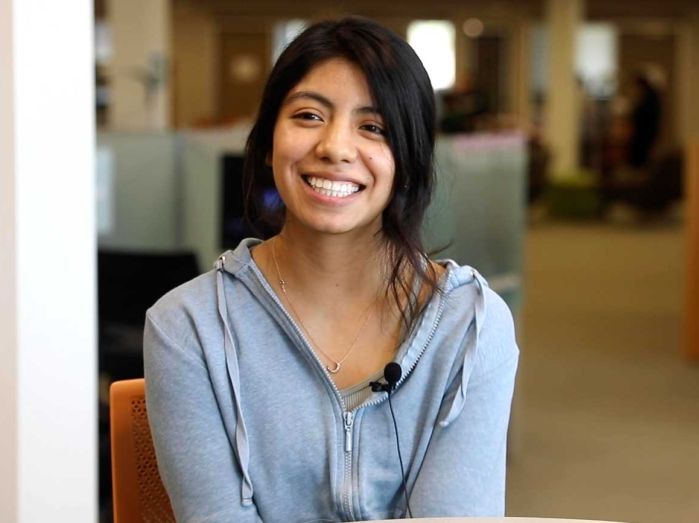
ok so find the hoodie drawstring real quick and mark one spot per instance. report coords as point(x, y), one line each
point(242, 447)
point(459, 400)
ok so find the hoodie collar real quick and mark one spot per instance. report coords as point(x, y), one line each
point(238, 261)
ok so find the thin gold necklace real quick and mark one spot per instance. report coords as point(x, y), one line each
point(337, 364)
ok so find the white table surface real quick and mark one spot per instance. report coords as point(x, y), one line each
point(495, 520)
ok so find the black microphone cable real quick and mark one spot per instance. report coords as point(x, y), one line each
point(392, 373)
point(400, 458)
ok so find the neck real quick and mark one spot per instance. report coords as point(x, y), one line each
point(334, 286)
point(345, 264)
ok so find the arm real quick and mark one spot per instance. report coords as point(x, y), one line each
point(463, 473)
point(195, 458)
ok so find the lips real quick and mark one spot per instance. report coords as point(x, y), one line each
point(335, 189)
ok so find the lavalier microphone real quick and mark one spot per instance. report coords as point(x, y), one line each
point(392, 373)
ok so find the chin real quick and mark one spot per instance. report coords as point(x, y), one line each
point(337, 227)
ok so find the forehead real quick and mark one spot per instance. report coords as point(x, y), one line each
point(337, 76)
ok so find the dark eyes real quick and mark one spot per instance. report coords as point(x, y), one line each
point(374, 129)
point(308, 116)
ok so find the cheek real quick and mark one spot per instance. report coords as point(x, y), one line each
point(277, 145)
point(381, 162)
point(287, 147)
point(278, 157)
point(279, 174)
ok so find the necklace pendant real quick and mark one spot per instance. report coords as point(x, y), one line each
point(334, 370)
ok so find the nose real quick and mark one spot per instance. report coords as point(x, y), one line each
point(336, 144)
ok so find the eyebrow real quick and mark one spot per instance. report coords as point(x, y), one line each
point(367, 109)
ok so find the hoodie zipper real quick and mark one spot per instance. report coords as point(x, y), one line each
point(348, 416)
point(437, 319)
point(298, 330)
point(347, 485)
point(405, 374)
point(349, 420)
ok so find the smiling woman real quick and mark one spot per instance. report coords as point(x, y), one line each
point(265, 377)
point(331, 162)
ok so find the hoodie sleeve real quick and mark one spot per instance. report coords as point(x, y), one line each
point(195, 457)
point(463, 473)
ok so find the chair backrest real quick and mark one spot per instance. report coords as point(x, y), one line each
point(137, 491)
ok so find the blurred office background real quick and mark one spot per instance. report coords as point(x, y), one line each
point(561, 154)
point(561, 161)
point(567, 164)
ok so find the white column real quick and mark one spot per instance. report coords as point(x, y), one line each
point(562, 98)
point(48, 394)
point(139, 72)
point(8, 270)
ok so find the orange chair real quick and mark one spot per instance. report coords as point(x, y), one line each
point(137, 491)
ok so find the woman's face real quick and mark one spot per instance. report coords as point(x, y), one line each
point(332, 164)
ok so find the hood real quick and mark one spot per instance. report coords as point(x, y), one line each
point(455, 276)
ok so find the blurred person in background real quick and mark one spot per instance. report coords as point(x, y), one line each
point(644, 120)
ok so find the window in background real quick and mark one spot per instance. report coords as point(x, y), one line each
point(596, 58)
point(283, 33)
point(103, 42)
point(433, 41)
point(104, 167)
point(103, 55)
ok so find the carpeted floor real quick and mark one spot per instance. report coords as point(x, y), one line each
point(606, 422)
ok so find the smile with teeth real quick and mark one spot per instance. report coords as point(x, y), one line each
point(330, 188)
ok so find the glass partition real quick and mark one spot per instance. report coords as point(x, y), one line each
point(164, 192)
point(477, 216)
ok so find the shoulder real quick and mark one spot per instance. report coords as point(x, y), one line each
point(179, 311)
point(190, 295)
point(497, 343)
point(195, 302)
point(470, 297)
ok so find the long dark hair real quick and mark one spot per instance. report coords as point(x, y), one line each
point(403, 93)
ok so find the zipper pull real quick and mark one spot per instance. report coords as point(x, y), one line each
point(349, 419)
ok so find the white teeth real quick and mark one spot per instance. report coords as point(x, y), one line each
point(330, 188)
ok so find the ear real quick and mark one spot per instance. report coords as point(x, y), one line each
point(268, 159)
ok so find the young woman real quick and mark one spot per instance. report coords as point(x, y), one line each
point(259, 372)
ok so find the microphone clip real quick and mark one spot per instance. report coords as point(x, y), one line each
point(377, 386)
point(391, 373)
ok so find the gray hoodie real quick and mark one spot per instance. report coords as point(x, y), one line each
point(248, 425)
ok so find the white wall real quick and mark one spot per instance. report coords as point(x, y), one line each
point(47, 266)
point(8, 268)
